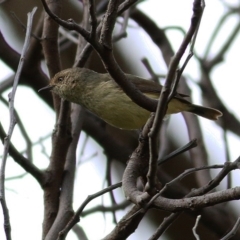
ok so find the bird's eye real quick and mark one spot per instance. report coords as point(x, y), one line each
point(60, 79)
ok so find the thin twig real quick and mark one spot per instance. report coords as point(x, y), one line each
point(67, 35)
point(109, 183)
point(212, 38)
point(6, 83)
point(122, 33)
point(233, 231)
point(126, 5)
point(225, 47)
point(23, 131)
point(7, 225)
point(195, 228)
point(165, 225)
point(227, 155)
point(178, 28)
point(188, 146)
point(23, 26)
point(112, 208)
point(75, 218)
point(198, 8)
point(154, 76)
point(28, 166)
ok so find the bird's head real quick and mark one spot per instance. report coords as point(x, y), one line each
point(62, 82)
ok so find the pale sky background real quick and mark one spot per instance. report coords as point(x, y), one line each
point(24, 197)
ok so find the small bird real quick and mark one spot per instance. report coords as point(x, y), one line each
point(101, 95)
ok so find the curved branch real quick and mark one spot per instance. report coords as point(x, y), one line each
point(22, 161)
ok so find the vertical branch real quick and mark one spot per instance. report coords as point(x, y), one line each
point(65, 210)
point(108, 24)
point(61, 137)
point(50, 45)
point(126, 5)
point(81, 41)
point(93, 18)
point(167, 89)
point(227, 154)
point(13, 122)
point(199, 154)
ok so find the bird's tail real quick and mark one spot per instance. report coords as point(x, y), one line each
point(209, 113)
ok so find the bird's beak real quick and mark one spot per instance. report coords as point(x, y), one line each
point(47, 87)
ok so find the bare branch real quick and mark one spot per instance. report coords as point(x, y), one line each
point(126, 5)
point(195, 227)
point(168, 91)
point(75, 218)
point(27, 165)
point(12, 124)
point(101, 208)
point(70, 24)
point(122, 33)
point(233, 231)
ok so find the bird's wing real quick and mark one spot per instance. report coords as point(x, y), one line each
point(147, 86)
point(150, 88)
point(144, 85)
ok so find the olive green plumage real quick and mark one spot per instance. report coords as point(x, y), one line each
point(100, 94)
